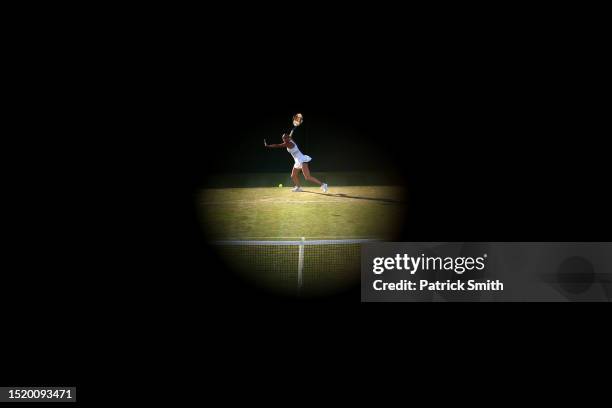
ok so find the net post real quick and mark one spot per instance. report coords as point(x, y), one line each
point(300, 265)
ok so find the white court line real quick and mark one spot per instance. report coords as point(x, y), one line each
point(315, 238)
point(275, 202)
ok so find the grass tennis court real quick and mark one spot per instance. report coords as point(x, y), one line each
point(277, 214)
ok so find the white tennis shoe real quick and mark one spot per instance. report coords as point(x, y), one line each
point(296, 189)
point(324, 187)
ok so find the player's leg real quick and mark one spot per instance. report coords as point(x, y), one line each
point(310, 177)
point(296, 180)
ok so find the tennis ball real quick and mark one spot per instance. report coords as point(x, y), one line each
point(280, 185)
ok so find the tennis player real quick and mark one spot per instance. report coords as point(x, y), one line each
point(301, 162)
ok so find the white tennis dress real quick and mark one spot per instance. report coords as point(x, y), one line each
point(298, 156)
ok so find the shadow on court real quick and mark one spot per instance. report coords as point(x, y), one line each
point(382, 200)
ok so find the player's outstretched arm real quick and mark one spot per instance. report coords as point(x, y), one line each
point(275, 146)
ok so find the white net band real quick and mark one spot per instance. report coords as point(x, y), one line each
point(304, 242)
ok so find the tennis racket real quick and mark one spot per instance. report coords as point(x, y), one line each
point(298, 119)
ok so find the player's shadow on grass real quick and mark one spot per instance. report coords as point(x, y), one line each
point(382, 200)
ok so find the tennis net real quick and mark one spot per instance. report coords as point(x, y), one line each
point(302, 267)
